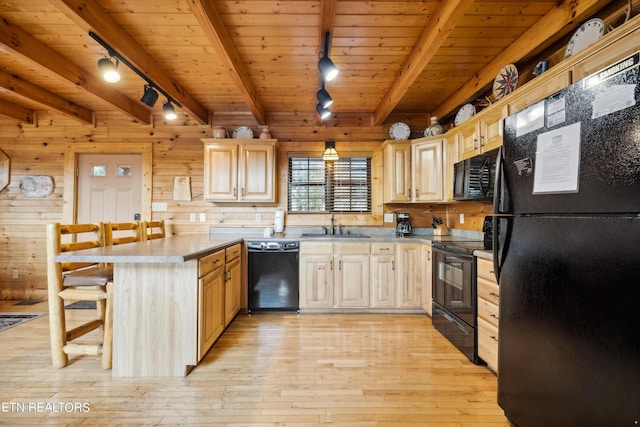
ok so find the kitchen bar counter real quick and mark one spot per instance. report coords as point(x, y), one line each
point(156, 301)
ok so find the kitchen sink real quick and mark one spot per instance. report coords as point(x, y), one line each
point(334, 236)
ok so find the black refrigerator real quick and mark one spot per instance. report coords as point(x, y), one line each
point(567, 204)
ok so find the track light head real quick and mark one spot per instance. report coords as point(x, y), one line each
point(150, 96)
point(324, 98)
point(109, 70)
point(328, 69)
point(169, 111)
point(330, 153)
point(323, 112)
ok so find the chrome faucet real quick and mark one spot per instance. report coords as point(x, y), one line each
point(331, 230)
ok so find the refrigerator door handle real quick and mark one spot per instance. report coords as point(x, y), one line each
point(498, 185)
point(496, 250)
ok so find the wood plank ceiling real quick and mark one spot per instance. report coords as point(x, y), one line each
point(259, 57)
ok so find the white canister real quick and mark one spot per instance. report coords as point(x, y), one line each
point(278, 225)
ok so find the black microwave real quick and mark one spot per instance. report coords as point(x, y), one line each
point(473, 178)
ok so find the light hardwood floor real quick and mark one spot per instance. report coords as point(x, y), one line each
point(267, 369)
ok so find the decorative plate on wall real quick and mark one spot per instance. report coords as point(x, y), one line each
point(400, 131)
point(243, 132)
point(505, 82)
point(464, 113)
point(586, 34)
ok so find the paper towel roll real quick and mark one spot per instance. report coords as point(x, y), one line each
point(278, 226)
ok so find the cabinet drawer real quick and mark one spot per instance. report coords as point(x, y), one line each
point(489, 291)
point(488, 344)
point(485, 270)
point(354, 248)
point(233, 252)
point(488, 311)
point(208, 263)
point(383, 249)
point(316, 248)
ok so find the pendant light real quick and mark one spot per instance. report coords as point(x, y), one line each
point(323, 112)
point(330, 153)
point(325, 64)
point(150, 96)
point(169, 111)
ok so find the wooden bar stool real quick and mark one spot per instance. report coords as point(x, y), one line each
point(117, 233)
point(78, 282)
point(153, 230)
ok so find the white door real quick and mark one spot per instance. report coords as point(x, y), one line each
point(109, 187)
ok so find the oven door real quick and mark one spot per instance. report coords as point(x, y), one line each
point(453, 283)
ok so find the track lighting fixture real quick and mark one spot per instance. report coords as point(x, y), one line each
point(325, 64)
point(324, 98)
point(109, 70)
point(323, 112)
point(169, 111)
point(330, 153)
point(150, 96)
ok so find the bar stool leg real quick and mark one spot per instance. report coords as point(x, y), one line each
point(107, 345)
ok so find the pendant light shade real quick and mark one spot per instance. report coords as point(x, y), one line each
point(323, 112)
point(109, 70)
point(330, 153)
point(328, 69)
point(150, 96)
point(324, 98)
point(169, 111)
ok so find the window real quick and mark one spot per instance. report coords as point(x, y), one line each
point(319, 186)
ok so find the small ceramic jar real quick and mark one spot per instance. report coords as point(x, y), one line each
point(434, 128)
point(265, 134)
point(219, 132)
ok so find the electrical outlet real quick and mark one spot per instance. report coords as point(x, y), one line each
point(258, 217)
point(461, 218)
point(203, 217)
point(16, 273)
point(388, 217)
point(192, 217)
point(159, 206)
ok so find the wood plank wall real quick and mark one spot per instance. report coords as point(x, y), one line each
point(39, 149)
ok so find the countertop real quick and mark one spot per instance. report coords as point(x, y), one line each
point(192, 246)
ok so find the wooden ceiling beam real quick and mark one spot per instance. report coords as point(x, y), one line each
point(15, 84)
point(90, 16)
point(443, 21)
point(553, 25)
point(14, 40)
point(16, 111)
point(211, 22)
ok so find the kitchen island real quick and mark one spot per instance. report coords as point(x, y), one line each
point(157, 308)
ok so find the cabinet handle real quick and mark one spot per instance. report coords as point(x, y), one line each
point(428, 255)
point(416, 192)
point(235, 192)
point(242, 191)
point(481, 141)
point(384, 249)
point(475, 143)
point(493, 338)
point(393, 265)
point(340, 265)
point(331, 263)
point(495, 317)
point(408, 192)
point(493, 294)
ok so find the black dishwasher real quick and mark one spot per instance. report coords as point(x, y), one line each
point(273, 275)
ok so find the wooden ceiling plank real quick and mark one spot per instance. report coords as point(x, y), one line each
point(16, 111)
point(212, 24)
point(434, 35)
point(15, 84)
point(14, 40)
point(90, 16)
point(549, 28)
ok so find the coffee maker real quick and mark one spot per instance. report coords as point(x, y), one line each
point(403, 226)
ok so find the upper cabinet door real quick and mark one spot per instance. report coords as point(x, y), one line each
point(397, 172)
point(221, 172)
point(427, 171)
point(257, 173)
point(239, 171)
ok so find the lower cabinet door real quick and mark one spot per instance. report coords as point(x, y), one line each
point(232, 294)
point(210, 310)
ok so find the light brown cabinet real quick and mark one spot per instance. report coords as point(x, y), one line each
point(409, 280)
point(232, 282)
point(383, 275)
point(239, 171)
point(316, 275)
point(413, 171)
point(427, 278)
point(352, 274)
point(483, 133)
point(211, 300)
point(488, 313)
